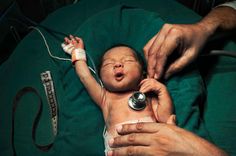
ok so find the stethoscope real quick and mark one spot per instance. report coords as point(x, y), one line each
point(137, 101)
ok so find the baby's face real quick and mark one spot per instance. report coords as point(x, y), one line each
point(120, 70)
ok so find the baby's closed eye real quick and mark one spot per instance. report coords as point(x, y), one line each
point(108, 62)
point(129, 59)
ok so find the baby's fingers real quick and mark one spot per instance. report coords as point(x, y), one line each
point(146, 87)
point(67, 40)
point(78, 39)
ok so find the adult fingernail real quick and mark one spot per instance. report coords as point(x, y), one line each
point(111, 141)
point(119, 128)
point(109, 153)
point(155, 76)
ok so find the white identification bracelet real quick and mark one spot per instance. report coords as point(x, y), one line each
point(78, 54)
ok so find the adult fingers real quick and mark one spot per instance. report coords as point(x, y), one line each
point(154, 50)
point(180, 63)
point(171, 42)
point(141, 127)
point(134, 139)
point(148, 46)
point(130, 151)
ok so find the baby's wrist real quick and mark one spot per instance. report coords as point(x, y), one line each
point(78, 54)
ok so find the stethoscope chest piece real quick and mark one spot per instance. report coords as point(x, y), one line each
point(137, 101)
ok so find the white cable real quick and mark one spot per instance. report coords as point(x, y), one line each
point(48, 49)
point(56, 57)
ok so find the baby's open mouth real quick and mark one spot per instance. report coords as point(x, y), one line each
point(119, 76)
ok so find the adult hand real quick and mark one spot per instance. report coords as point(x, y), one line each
point(187, 40)
point(158, 139)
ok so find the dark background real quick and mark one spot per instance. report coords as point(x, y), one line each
point(17, 15)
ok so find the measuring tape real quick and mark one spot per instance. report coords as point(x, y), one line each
point(51, 98)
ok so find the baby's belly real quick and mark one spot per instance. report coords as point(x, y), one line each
point(111, 129)
point(121, 113)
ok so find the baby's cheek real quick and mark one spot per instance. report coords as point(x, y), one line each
point(106, 80)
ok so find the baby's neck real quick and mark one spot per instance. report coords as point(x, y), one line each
point(119, 95)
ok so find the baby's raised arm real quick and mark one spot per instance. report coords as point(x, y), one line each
point(74, 46)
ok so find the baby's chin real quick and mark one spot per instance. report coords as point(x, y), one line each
point(121, 88)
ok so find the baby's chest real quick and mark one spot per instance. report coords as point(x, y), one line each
point(118, 106)
point(120, 111)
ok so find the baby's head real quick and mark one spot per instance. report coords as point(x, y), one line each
point(121, 69)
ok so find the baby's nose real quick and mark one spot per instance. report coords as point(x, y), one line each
point(118, 65)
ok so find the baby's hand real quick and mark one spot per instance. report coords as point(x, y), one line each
point(152, 85)
point(162, 104)
point(72, 43)
point(75, 47)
